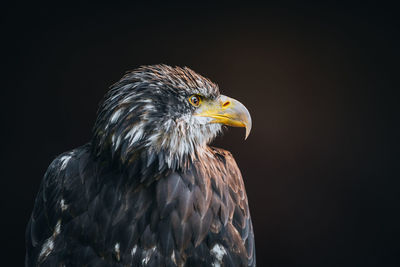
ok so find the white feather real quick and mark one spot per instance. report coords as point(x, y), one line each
point(147, 253)
point(133, 252)
point(116, 115)
point(48, 245)
point(63, 205)
point(64, 161)
point(218, 251)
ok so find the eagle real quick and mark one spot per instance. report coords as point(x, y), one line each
point(148, 190)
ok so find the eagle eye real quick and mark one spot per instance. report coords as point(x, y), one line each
point(195, 100)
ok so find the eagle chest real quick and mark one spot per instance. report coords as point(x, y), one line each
point(173, 215)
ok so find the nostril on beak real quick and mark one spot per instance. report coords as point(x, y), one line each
point(227, 103)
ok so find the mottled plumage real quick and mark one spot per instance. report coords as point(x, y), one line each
point(147, 190)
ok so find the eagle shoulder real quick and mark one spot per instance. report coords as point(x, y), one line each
point(233, 216)
point(54, 208)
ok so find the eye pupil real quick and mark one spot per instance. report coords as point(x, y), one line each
point(195, 100)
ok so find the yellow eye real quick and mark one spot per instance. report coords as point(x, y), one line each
point(195, 100)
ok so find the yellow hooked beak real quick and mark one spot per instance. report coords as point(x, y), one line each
point(226, 110)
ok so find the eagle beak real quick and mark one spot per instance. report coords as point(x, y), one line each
point(228, 111)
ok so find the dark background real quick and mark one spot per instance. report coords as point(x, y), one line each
point(321, 165)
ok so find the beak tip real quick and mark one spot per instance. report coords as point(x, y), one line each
point(248, 129)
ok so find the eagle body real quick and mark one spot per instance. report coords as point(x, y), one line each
point(137, 201)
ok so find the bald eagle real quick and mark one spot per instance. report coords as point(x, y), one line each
point(147, 190)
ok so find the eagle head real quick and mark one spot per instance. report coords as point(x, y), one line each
point(163, 115)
